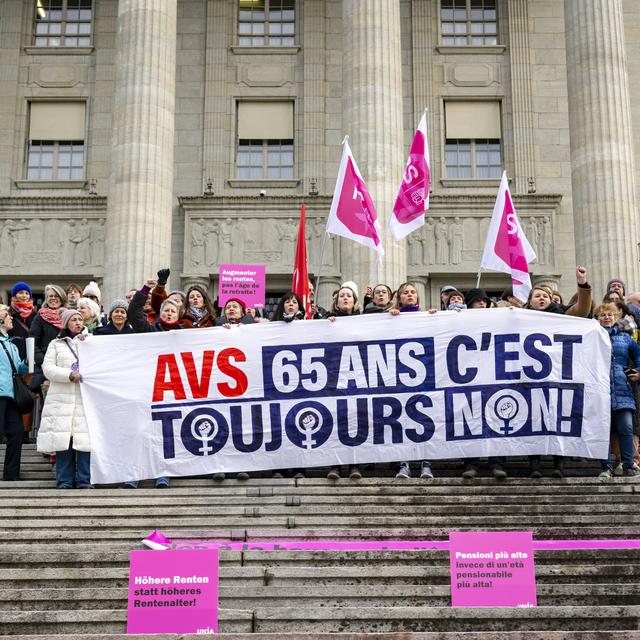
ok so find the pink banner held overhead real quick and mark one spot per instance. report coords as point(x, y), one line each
point(413, 196)
point(507, 248)
point(353, 214)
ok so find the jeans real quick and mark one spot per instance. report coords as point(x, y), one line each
point(73, 468)
point(134, 483)
point(622, 423)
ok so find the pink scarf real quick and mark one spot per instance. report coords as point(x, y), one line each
point(52, 316)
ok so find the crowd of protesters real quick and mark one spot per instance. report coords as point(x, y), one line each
point(69, 314)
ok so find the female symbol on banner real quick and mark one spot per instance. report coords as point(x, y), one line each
point(506, 412)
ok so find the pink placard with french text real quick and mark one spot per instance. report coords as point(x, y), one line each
point(244, 281)
point(492, 569)
point(173, 592)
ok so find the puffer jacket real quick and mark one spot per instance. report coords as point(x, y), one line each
point(63, 413)
point(6, 373)
point(623, 348)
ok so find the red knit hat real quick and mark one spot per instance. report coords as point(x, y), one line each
point(240, 302)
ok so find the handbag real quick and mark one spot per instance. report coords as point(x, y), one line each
point(21, 394)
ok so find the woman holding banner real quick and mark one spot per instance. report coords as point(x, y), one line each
point(289, 308)
point(63, 429)
point(407, 301)
point(200, 313)
point(541, 299)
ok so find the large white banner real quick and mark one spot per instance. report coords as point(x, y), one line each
point(365, 389)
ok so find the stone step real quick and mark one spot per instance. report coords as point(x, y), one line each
point(117, 576)
point(436, 635)
point(250, 597)
point(349, 619)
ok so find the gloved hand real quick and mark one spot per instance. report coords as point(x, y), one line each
point(163, 276)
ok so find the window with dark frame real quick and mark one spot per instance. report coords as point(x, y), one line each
point(468, 22)
point(62, 23)
point(473, 159)
point(266, 23)
point(260, 159)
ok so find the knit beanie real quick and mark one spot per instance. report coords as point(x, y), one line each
point(67, 314)
point(91, 305)
point(20, 286)
point(620, 281)
point(118, 303)
point(92, 289)
point(473, 295)
point(240, 302)
point(350, 284)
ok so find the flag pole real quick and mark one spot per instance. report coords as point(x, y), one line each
point(478, 283)
point(324, 243)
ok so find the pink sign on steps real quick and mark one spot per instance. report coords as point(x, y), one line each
point(244, 281)
point(173, 592)
point(492, 569)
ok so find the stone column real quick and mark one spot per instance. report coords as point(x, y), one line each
point(372, 106)
point(602, 175)
point(139, 207)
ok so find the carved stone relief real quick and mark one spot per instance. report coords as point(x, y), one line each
point(52, 243)
point(446, 241)
point(214, 241)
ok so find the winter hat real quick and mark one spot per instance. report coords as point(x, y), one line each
point(350, 284)
point(91, 305)
point(473, 295)
point(618, 280)
point(171, 302)
point(20, 286)
point(92, 289)
point(118, 303)
point(67, 314)
point(240, 302)
point(59, 291)
point(447, 288)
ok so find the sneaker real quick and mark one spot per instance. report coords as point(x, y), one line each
point(354, 473)
point(218, 477)
point(404, 472)
point(631, 472)
point(499, 473)
point(157, 541)
point(535, 474)
point(469, 473)
point(334, 473)
point(243, 475)
point(605, 474)
point(618, 470)
point(132, 484)
point(425, 471)
point(162, 483)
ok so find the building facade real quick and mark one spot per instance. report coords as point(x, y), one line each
point(139, 134)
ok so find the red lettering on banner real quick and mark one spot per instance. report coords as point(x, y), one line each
point(199, 388)
point(239, 376)
point(167, 364)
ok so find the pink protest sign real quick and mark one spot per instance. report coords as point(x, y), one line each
point(243, 281)
point(173, 592)
point(492, 569)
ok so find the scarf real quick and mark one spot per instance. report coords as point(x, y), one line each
point(52, 316)
point(413, 307)
point(166, 326)
point(23, 309)
point(92, 326)
point(198, 314)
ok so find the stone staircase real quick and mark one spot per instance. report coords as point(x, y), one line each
point(64, 569)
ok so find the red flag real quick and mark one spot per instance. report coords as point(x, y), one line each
point(300, 284)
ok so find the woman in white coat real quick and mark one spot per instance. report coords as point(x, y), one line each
point(63, 428)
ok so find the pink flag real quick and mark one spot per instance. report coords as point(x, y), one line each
point(353, 214)
point(413, 196)
point(507, 248)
